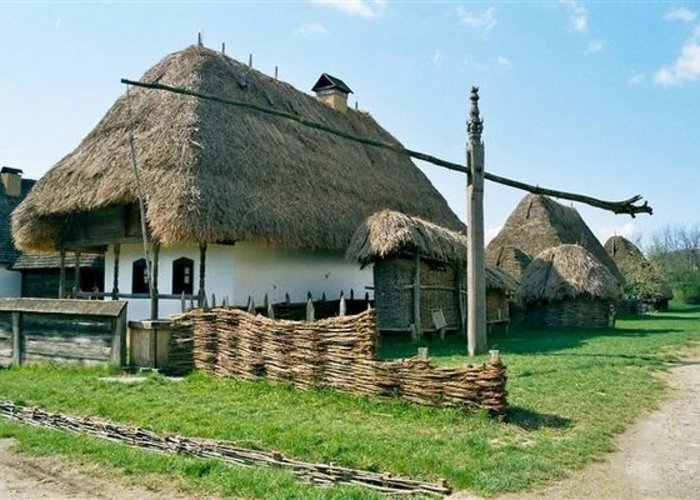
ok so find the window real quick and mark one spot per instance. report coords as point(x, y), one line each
point(139, 277)
point(183, 273)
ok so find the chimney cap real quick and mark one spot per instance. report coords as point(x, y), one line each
point(329, 82)
point(10, 170)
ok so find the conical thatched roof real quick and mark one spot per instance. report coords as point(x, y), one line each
point(644, 278)
point(509, 259)
point(213, 172)
point(388, 234)
point(567, 271)
point(538, 223)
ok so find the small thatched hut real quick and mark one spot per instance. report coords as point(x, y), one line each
point(538, 223)
point(238, 203)
point(566, 286)
point(509, 259)
point(645, 281)
point(419, 274)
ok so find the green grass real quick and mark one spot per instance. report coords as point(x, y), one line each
point(570, 393)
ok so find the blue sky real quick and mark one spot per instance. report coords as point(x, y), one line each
point(601, 98)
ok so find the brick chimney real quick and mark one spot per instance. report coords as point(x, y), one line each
point(12, 180)
point(332, 91)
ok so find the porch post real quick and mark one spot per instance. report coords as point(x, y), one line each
point(76, 275)
point(201, 294)
point(154, 281)
point(62, 275)
point(115, 282)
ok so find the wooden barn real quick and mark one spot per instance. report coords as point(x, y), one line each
point(645, 281)
point(539, 223)
point(237, 203)
point(566, 286)
point(419, 274)
point(41, 274)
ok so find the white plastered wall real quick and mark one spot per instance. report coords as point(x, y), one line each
point(244, 269)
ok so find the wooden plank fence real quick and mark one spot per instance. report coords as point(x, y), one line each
point(62, 330)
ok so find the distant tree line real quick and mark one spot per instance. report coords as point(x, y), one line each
point(676, 249)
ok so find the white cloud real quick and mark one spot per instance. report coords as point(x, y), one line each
point(636, 78)
point(361, 8)
point(504, 62)
point(681, 14)
point(686, 67)
point(311, 29)
point(491, 233)
point(486, 20)
point(594, 46)
point(578, 14)
point(627, 230)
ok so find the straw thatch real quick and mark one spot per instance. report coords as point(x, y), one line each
point(388, 234)
point(213, 172)
point(567, 272)
point(538, 223)
point(508, 258)
point(644, 279)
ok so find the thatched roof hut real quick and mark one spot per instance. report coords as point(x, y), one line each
point(567, 286)
point(509, 259)
point(538, 223)
point(217, 173)
point(387, 234)
point(644, 279)
point(419, 273)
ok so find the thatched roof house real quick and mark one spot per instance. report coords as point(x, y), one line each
point(566, 286)
point(644, 279)
point(218, 173)
point(288, 196)
point(409, 253)
point(509, 259)
point(538, 223)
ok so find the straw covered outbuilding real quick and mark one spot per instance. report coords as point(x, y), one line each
point(645, 280)
point(410, 254)
point(566, 286)
point(539, 222)
point(216, 173)
point(509, 259)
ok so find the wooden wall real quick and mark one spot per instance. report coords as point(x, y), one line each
point(43, 283)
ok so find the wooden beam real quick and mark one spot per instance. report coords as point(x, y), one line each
point(619, 207)
point(202, 267)
point(154, 281)
point(62, 275)
point(76, 274)
point(115, 280)
point(476, 274)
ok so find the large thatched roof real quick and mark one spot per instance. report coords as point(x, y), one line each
point(643, 278)
point(509, 259)
point(387, 234)
point(538, 223)
point(213, 172)
point(567, 271)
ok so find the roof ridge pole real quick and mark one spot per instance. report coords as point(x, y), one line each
point(476, 274)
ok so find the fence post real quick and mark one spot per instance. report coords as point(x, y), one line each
point(17, 339)
point(343, 306)
point(118, 353)
point(251, 305)
point(309, 308)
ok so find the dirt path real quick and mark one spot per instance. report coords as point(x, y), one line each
point(25, 477)
point(658, 457)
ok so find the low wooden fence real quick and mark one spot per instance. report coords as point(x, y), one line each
point(337, 352)
point(81, 331)
point(321, 474)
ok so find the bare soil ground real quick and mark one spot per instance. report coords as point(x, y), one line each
point(657, 458)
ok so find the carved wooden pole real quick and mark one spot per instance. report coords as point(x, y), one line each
point(115, 282)
point(201, 294)
point(154, 281)
point(62, 276)
point(476, 279)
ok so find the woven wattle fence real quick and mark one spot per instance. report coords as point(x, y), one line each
point(337, 352)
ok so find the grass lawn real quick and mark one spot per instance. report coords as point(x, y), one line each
point(570, 392)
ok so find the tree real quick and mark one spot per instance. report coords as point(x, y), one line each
point(676, 249)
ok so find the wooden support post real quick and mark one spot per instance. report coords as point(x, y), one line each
point(213, 301)
point(251, 305)
point(76, 275)
point(17, 339)
point(118, 354)
point(309, 308)
point(154, 281)
point(183, 307)
point(62, 276)
point(202, 267)
point(459, 273)
point(417, 327)
point(476, 276)
point(115, 280)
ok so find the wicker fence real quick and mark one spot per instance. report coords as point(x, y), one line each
point(337, 352)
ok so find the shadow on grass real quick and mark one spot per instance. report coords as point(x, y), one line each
point(531, 421)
